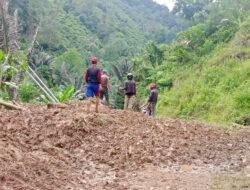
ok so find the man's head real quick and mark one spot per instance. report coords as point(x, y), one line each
point(130, 76)
point(94, 60)
point(152, 86)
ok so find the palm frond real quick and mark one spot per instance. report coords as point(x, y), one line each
point(117, 72)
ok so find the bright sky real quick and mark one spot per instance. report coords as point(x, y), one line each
point(168, 3)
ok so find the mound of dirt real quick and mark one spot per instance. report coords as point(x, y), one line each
point(69, 148)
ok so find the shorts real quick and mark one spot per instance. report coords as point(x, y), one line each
point(93, 90)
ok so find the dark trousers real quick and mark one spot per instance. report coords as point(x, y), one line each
point(105, 94)
point(151, 109)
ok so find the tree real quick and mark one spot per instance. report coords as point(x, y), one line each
point(14, 63)
point(69, 68)
point(188, 8)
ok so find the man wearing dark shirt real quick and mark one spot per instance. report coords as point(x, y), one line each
point(93, 80)
point(130, 92)
point(152, 99)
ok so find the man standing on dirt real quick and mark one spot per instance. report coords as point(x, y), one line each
point(152, 99)
point(93, 80)
point(105, 86)
point(130, 92)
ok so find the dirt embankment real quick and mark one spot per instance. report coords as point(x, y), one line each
point(44, 148)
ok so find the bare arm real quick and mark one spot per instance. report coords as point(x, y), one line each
point(109, 86)
point(85, 77)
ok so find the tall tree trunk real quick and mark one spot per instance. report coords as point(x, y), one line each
point(9, 40)
point(4, 26)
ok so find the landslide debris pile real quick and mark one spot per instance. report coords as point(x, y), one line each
point(68, 148)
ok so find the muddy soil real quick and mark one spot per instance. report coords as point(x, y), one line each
point(69, 148)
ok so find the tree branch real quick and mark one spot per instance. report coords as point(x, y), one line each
point(10, 106)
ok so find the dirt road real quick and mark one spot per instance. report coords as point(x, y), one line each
point(68, 148)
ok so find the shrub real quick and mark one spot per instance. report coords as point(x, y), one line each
point(28, 92)
point(66, 94)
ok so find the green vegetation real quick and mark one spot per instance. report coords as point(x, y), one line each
point(204, 74)
point(112, 30)
point(68, 68)
point(67, 94)
point(198, 54)
point(28, 91)
point(70, 31)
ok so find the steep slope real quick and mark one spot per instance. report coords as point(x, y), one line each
point(124, 26)
point(217, 88)
point(112, 29)
point(68, 148)
point(57, 29)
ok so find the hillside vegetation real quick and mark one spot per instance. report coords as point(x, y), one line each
point(199, 56)
point(112, 30)
point(204, 73)
point(198, 53)
point(218, 88)
point(96, 27)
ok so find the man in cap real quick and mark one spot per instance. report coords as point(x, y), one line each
point(93, 80)
point(130, 92)
point(152, 99)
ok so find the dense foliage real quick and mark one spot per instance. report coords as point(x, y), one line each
point(204, 74)
point(198, 53)
point(70, 31)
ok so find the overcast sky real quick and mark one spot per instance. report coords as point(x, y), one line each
point(169, 3)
